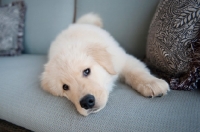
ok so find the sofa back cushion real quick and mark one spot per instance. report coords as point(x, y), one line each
point(126, 20)
point(44, 20)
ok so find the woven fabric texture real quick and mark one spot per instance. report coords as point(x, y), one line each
point(24, 103)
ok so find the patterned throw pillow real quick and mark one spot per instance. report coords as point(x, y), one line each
point(173, 45)
point(12, 27)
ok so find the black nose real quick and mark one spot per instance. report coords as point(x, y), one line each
point(87, 101)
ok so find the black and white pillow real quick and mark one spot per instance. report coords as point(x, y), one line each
point(12, 28)
point(173, 45)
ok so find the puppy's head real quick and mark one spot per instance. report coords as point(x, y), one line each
point(84, 76)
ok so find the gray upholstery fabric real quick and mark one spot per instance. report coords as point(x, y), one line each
point(44, 20)
point(24, 103)
point(127, 20)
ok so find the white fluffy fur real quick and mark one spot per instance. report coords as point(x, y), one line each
point(92, 19)
point(86, 45)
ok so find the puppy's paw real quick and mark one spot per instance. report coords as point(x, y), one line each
point(155, 88)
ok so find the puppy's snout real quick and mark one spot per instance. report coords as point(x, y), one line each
point(87, 101)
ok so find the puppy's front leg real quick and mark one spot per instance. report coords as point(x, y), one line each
point(139, 78)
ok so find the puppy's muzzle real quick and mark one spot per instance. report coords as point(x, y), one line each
point(87, 102)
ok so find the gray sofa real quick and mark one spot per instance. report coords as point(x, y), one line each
point(24, 103)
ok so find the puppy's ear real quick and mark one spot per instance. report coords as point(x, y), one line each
point(48, 82)
point(102, 57)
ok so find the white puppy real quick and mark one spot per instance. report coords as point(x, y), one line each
point(84, 62)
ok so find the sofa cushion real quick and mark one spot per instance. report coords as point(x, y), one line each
point(44, 20)
point(127, 20)
point(24, 103)
point(173, 47)
point(12, 28)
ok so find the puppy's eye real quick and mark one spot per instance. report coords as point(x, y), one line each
point(65, 87)
point(86, 72)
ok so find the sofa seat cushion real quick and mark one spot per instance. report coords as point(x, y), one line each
point(24, 103)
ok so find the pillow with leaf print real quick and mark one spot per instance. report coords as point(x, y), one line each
point(173, 44)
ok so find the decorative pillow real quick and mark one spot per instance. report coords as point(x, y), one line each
point(12, 27)
point(173, 45)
